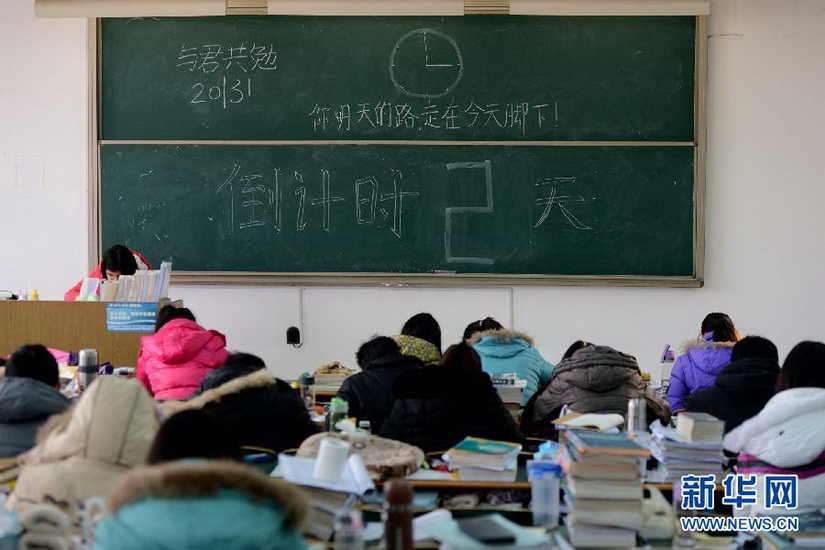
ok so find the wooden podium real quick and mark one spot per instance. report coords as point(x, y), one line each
point(69, 326)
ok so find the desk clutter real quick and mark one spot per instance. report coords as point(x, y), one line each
point(410, 450)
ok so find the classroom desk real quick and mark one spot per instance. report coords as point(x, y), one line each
point(69, 326)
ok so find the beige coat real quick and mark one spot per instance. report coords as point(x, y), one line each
point(87, 450)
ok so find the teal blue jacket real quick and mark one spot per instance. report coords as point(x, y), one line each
point(504, 351)
point(163, 508)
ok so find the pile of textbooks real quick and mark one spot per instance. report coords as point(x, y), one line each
point(146, 285)
point(510, 389)
point(326, 498)
point(484, 459)
point(693, 447)
point(602, 488)
point(330, 377)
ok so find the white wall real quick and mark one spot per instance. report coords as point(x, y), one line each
point(765, 261)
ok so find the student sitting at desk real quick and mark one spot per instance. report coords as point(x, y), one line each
point(421, 337)
point(788, 436)
point(369, 392)
point(29, 395)
point(503, 351)
point(743, 387)
point(175, 359)
point(117, 260)
point(702, 359)
point(596, 379)
point(251, 403)
point(85, 451)
point(436, 407)
point(209, 505)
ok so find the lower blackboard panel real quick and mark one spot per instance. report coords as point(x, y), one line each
point(404, 209)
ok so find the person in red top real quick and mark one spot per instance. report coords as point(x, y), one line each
point(174, 360)
point(116, 261)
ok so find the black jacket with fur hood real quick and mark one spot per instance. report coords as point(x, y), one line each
point(260, 409)
point(437, 407)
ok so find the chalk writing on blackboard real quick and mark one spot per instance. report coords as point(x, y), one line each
point(487, 181)
point(255, 203)
point(208, 58)
point(397, 198)
point(520, 116)
point(366, 199)
point(326, 200)
point(426, 63)
point(553, 198)
point(233, 62)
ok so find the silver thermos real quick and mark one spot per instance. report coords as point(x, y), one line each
point(86, 368)
point(636, 420)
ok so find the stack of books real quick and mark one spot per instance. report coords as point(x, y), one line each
point(479, 459)
point(326, 497)
point(602, 488)
point(328, 378)
point(693, 447)
point(511, 391)
point(146, 285)
point(323, 505)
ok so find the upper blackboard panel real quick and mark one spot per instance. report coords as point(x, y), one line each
point(403, 209)
point(326, 78)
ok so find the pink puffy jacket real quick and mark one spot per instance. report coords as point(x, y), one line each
point(174, 360)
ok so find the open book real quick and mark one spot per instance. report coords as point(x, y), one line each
point(354, 478)
point(597, 422)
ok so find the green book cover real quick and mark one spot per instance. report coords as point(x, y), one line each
point(485, 446)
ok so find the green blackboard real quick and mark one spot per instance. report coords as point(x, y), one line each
point(498, 147)
point(470, 78)
point(398, 209)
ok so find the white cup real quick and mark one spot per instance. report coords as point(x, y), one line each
point(332, 456)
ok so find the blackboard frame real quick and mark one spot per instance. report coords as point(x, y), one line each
point(407, 279)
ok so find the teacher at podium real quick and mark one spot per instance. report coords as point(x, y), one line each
point(116, 261)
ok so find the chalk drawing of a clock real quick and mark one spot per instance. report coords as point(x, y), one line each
point(426, 63)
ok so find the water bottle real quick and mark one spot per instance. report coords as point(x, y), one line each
point(636, 421)
point(349, 530)
point(398, 514)
point(338, 409)
point(545, 478)
point(87, 368)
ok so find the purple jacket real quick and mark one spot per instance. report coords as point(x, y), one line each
point(696, 369)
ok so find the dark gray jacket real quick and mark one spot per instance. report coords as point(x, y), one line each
point(25, 404)
point(597, 379)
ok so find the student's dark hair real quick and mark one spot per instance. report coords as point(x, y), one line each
point(488, 323)
point(804, 367)
point(376, 348)
point(169, 312)
point(574, 347)
point(424, 326)
point(244, 360)
point(721, 326)
point(461, 356)
point(754, 347)
point(34, 361)
point(193, 434)
point(118, 258)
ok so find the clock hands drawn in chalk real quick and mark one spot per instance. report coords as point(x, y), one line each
point(426, 63)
